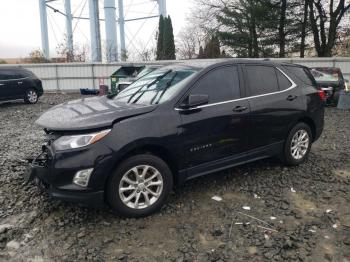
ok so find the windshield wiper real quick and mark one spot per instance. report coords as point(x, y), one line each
point(168, 84)
point(148, 86)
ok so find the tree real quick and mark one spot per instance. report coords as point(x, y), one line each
point(304, 25)
point(201, 53)
point(325, 20)
point(79, 53)
point(187, 42)
point(160, 51)
point(2, 61)
point(247, 26)
point(165, 41)
point(36, 56)
point(212, 48)
point(168, 40)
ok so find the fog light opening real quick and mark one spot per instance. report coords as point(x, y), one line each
point(81, 178)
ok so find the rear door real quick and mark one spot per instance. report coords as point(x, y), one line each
point(218, 129)
point(7, 84)
point(275, 101)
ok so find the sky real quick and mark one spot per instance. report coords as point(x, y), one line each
point(20, 24)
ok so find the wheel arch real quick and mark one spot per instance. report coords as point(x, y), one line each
point(308, 120)
point(149, 148)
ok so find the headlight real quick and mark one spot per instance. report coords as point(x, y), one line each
point(77, 141)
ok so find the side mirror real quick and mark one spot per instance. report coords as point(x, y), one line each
point(194, 100)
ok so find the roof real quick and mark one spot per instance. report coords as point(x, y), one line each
point(203, 63)
point(12, 68)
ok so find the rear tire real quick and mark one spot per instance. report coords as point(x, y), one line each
point(31, 96)
point(139, 186)
point(297, 145)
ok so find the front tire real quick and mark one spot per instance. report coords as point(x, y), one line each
point(297, 145)
point(139, 186)
point(31, 96)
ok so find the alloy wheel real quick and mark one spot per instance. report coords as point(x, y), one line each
point(300, 144)
point(32, 96)
point(140, 187)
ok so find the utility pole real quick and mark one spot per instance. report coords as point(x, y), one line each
point(44, 31)
point(69, 39)
point(95, 31)
point(111, 31)
point(121, 29)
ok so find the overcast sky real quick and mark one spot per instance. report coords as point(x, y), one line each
point(20, 24)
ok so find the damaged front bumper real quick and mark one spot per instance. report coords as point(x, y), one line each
point(41, 170)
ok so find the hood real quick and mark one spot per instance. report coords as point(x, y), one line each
point(89, 113)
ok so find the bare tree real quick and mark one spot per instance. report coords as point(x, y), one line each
point(35, 57)
point(325, 20)
point(78, 54)
point(187, 43)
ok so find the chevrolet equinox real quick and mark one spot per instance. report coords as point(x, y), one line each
point(179, 122)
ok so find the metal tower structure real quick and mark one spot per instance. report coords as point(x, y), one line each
point(110, 20)
point(69, 30)
point(111, 31)
point(95, 35)
point(44, 30)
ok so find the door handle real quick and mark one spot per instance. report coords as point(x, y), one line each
point(1, 84)
point(291, 97)
point(20, 83)
point(239, 108)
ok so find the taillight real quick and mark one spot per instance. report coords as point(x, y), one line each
point(322, 95)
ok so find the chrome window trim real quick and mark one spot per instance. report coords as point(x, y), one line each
point(14, 79)
point(294, 85)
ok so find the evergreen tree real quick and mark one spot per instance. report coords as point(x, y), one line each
point(212, 48)
point(160, 51)
point(201, 53)
point(168, 40)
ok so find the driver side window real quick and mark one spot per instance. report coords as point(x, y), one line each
point(220, 84)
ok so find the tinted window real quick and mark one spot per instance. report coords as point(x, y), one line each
point(302, 74)
point(283, 81)
point(220, 84)
point(7, 74)
point(24, 73)
point(261, 79)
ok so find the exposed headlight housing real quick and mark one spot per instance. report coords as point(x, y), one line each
point(77, 141)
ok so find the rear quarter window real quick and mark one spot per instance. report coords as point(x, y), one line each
point(283, 81)
point(302, 73)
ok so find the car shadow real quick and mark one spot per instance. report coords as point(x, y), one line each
point(14, 103)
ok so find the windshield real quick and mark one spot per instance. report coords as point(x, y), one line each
point(156, 87)
point(145, 71)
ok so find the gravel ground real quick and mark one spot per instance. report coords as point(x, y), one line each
point(304, 211)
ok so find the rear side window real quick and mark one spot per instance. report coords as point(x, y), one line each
point(283, 81)
point(220, 84)
point(261, 79)
point(24, 73)
point(7, 75)
point(302, 74)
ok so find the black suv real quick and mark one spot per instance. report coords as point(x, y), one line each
point(178, 122)
point(19, 83)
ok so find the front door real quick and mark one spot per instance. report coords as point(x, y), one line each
point(218, 129)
